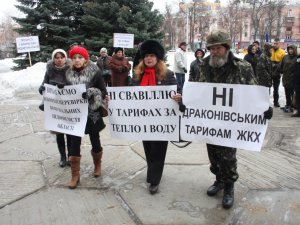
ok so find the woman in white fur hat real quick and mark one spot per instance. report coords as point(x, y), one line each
point(55, 75)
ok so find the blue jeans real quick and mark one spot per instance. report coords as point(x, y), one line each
point(180, 77)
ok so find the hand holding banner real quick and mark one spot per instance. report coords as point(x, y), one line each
point(65, 109)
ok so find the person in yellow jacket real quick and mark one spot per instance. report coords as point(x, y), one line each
point(276, 58)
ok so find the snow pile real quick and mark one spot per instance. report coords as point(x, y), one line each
point(13, 83)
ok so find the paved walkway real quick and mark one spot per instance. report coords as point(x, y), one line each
point(33, 187)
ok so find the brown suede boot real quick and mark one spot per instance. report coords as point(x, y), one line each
point(97, 162)
point(75, 169)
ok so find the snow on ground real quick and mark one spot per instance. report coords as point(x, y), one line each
point(13, 83)
point(17, 83)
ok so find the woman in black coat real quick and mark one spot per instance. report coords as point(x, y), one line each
point(56, 75)
point(251, 57)
point(83, 71)
point(152, 71)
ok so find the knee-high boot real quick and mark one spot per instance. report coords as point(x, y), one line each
point(75, 169)
point(97, 156)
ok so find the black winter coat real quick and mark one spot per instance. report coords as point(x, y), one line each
point(297, 75)
point(252, 59)
point(55, 75)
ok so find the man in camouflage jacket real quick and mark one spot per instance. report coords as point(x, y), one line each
point(264, 67)
point(223, 67)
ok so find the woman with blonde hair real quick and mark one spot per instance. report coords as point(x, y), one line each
point(152, 71)
point(83, 71)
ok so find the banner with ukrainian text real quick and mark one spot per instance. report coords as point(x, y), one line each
point(143, 113)
point(65, 110)
point(225, 114)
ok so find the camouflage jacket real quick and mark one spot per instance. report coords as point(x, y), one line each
point(236, 71)
point(287, 68)
point(264, 70)
point(194, 69)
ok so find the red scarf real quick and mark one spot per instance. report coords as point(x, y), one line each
point(148, 77)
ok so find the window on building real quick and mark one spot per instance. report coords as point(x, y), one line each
point(246, 34)
point(290, 12)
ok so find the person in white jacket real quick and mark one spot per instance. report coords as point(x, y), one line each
point(180, 64)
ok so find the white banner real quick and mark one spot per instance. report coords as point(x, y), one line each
point(225, 114)
point(123, 40)
point(28, 44)
point(65, 110)
point(143, 113)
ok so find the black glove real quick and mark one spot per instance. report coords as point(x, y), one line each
point(269, 113)
point(182, 107)
point(41, 107)
point(184, 70)
point(41, 89)
point(124, 69)
point(60, 86)
point(84, 95)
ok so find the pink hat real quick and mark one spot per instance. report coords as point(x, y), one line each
point(79, 50)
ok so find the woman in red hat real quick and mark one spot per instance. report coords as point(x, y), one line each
point(83, 71)
point(152, 71)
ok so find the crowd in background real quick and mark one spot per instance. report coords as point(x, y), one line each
point(271, 65)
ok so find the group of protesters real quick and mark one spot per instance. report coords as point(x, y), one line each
point(271, 65)
point(221, 66)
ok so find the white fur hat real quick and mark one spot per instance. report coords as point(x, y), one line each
point(103, 50)
point(60, 51)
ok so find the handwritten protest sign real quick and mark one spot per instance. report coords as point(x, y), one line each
point(28, 44)
point(225, 114)
point(123, 40)
point(65, 110)
point(143, 113)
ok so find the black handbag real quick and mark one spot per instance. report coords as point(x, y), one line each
point(106, 73)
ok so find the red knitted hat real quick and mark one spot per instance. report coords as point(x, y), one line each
point(79, 50)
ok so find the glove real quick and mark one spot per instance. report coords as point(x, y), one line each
point(41, 89)
point(269, 113)
point(41, 107)
point(60, 86)
point(124, 69)
point(182, 107)
point(84, 95)
point(184, 70)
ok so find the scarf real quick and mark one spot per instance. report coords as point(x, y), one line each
point(148, 77)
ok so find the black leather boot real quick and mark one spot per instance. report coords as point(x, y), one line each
point(228, 197)
point(63, 157)
point(153, 188)
point(215, 188)
point(63, 161)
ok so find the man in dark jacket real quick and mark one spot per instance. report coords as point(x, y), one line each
point(103, 65)
point(287, 69)
point(297, 83)
point(258, 50)
point(221, 66)
point(194, 67)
